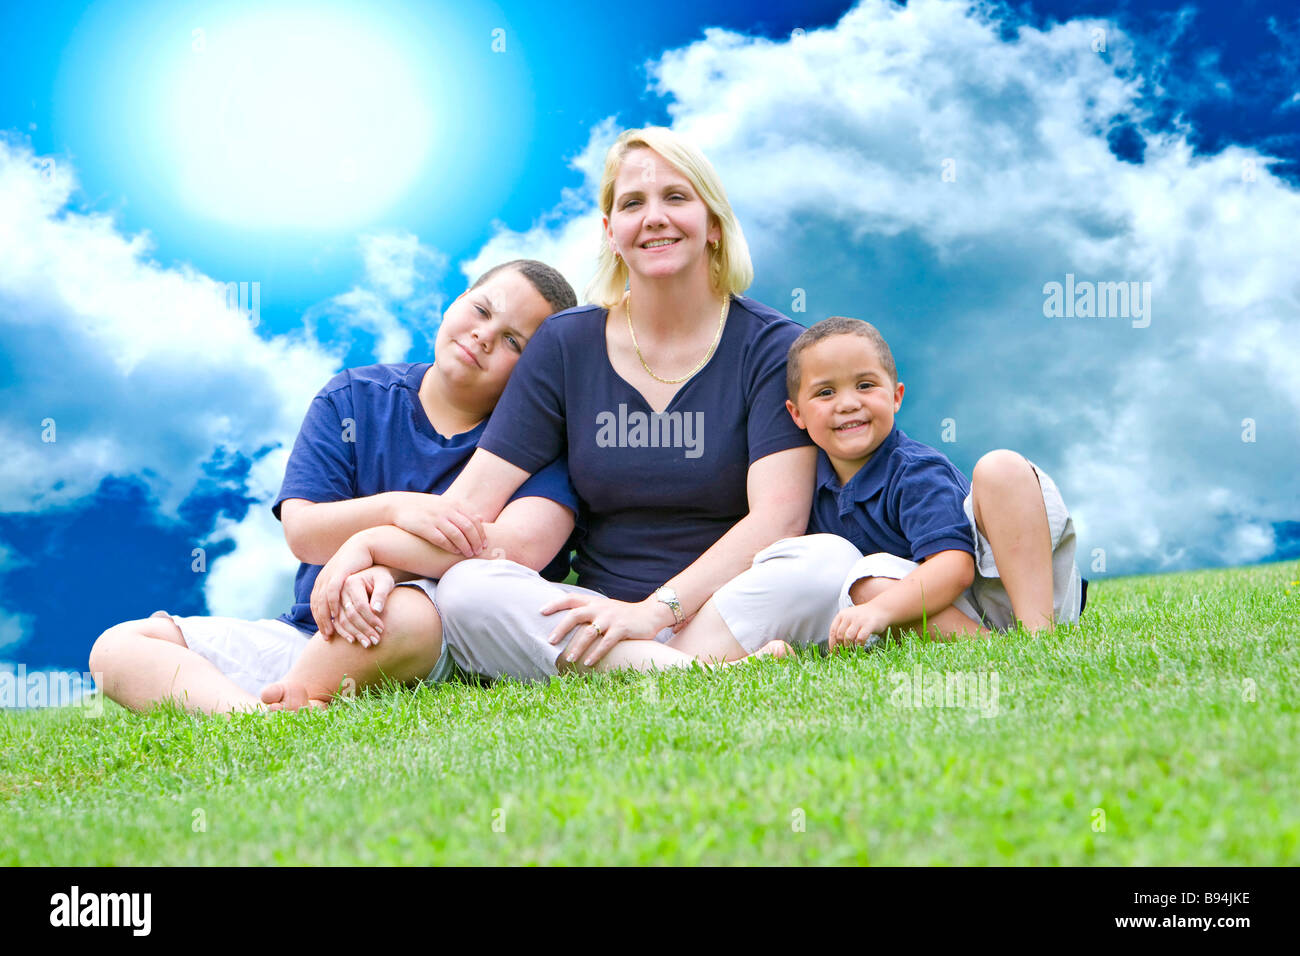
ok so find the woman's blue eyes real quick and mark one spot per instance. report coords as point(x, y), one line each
point(632, 202)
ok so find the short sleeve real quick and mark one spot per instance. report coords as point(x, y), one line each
point(322, 465)
point(931, 508)
point(550, 482)
point(770, 427)
point(527, 426)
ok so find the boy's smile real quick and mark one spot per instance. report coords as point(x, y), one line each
point(846, 400)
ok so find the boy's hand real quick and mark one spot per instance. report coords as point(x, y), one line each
point(327, 601)
point(364, 594)
point(438, 521)
point(854, 626)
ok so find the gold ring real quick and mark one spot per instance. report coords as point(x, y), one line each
point(599, 632)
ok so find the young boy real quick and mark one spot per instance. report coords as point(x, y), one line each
point(378, 446)
point(896, 533)
point(966, 557)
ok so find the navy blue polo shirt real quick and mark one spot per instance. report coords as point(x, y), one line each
point(907, 500)
point(366, 433)
point(656, 491)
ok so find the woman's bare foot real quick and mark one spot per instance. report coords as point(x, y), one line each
point(770, 649)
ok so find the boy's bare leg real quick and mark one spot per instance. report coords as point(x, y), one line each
point(141, 663)
point(1009, 511)
point(410, 647)
point(947, 622)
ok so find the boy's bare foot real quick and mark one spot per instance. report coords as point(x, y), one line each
point(283, 695)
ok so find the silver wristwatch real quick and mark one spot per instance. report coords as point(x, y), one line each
point(669, 597)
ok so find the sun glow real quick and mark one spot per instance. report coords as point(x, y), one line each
point(296, 121)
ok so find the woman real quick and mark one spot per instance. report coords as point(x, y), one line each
point(667, 400)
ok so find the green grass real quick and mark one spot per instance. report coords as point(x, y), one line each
point(1172, 709)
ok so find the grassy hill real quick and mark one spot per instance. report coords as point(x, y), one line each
point(1161, 730)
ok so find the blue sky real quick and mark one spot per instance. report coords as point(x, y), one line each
point(931, 168)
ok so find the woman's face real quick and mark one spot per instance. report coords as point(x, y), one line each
point(658, 223)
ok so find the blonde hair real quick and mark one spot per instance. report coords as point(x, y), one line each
point(730, 268)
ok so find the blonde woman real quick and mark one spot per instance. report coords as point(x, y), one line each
point(666, 397)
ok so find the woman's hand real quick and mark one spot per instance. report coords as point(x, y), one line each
point(605, 622)
point(327, 601)
point(437, 520)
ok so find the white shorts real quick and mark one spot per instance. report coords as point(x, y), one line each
point(251, 653)
point(256, 653)
point(986, 600)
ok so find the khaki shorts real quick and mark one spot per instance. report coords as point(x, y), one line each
point(986, 600)
point(253, 654)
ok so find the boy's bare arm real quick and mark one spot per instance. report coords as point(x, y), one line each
point(316, 530)
point(529, 531)
point(933, 586)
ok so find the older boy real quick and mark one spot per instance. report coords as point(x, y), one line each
point(378, 447)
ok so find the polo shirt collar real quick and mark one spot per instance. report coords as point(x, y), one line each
point(869, 480)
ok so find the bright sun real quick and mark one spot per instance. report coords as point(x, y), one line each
point(296, 121)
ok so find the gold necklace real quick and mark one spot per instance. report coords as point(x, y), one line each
point(722, 318)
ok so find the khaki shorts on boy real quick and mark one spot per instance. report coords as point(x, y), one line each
point(253, 654)
point(986, 600)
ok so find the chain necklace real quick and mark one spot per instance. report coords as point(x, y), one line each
point(722, 318)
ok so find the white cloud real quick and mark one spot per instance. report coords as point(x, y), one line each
point(396, 296)
point(143, 369)
point(568, 236)
point(395, 263)
point(833, 148)
point(14, 628)
point(256, 579)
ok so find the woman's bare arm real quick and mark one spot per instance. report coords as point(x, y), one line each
point(780, 488)
point(485, 484)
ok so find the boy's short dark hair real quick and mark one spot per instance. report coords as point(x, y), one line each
point(548, 282)
point(835, 325)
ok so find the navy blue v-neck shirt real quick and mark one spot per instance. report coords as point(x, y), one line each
point(656, 491)
point(366, 432)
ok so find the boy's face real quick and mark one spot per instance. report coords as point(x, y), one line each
point(846, 400)
point(484, 332)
